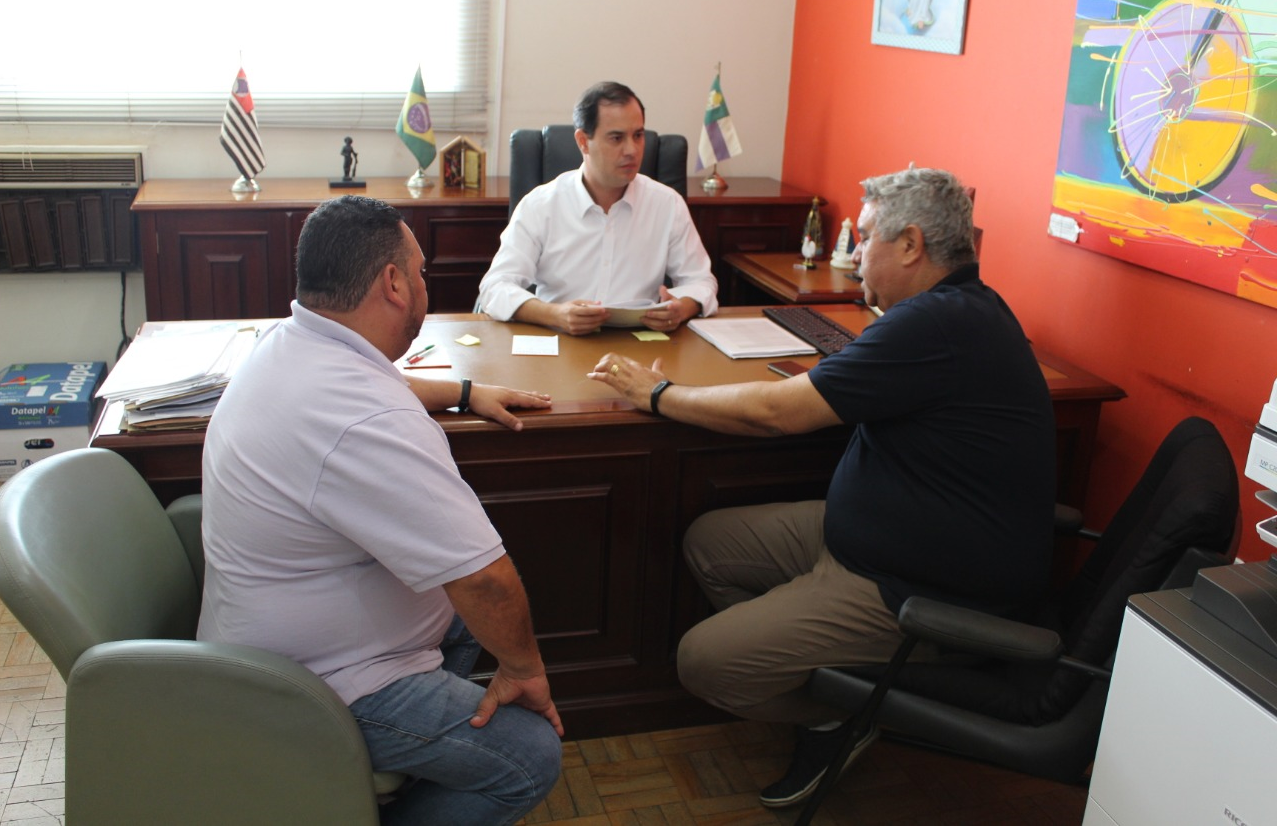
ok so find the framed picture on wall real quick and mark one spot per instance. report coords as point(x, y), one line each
point(1167, 144)
point(929, 25)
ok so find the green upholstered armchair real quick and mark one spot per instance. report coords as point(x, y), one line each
point(161, 728)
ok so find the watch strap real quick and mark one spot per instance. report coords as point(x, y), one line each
point(655, 399)
point(463, 406)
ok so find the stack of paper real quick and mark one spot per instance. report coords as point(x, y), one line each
point(173, 382)
point(743, 338)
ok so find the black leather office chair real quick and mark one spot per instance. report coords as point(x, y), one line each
point(541, 155)
point(160, 728)
point(1034, 700)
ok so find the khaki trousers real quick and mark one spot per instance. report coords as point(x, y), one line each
point(785, 607)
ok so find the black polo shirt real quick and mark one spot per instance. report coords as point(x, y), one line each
point(947, 486)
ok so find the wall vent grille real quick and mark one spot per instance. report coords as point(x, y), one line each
point(70, 170)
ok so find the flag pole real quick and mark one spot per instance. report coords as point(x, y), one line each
point(713, 181)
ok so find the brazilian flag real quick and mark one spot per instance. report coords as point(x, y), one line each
point(415, 128)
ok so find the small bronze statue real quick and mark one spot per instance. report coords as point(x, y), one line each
point(349, 165)
point(350, 160)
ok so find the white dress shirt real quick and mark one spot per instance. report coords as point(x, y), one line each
point(563, 244)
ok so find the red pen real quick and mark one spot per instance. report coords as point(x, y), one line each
point(420, 354)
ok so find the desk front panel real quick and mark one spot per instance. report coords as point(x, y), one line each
point(592, 499)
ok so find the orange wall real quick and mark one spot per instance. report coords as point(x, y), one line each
point(992, 116)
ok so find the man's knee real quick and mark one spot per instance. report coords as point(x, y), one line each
point(705, 532)
point(701, 664)
point(542, 756)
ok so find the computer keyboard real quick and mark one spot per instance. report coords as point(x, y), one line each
point(819, 331)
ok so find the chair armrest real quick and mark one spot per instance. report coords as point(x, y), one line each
point(185, 514)
point(1068, 522)
point(175, 731)
point(975, 632)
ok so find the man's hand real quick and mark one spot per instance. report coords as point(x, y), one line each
point(533, 693)
point(629, 378)
point(494, 403)
point(676, 310)
point(576, 318)
point(486, 400)
point(579, 318)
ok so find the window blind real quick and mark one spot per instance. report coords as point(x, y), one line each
point(144, 61)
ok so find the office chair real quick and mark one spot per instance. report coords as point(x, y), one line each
point(1034, 698)
point(538, 156)
point(160, 728)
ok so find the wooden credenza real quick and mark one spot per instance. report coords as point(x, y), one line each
point(208, 253)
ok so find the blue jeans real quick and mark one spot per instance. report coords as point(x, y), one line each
point(420, 726)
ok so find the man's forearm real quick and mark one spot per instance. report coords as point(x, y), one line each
point(494, 606)
point(536, 311)
point(435, 394)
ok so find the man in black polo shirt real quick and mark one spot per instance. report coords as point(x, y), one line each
point(946, 488)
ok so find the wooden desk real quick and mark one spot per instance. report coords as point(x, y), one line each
point(208, 253)
point(779, 276)
point(592, 498)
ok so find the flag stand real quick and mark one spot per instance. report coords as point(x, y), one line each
point(419, 180)
point(714, 182)
point(246, 185)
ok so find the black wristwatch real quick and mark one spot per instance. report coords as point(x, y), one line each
point(660, 388)
point(463, 406)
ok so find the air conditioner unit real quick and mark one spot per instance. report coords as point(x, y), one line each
point(67, 207)
point(70, 168)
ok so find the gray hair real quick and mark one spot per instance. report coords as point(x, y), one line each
point(931, 199)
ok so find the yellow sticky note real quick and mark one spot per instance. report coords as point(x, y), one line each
point(650, 335)
point(468, 340)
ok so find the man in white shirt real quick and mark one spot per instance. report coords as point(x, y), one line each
point(338, 532)
point(601, 235)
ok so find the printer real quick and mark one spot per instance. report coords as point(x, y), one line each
point(1190, 727)
point(1261, 465)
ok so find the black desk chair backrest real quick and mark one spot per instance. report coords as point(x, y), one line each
point(1180, 516)
point(1034, 700)
point(541, 155)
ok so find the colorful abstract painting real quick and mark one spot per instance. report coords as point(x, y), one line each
point(1168, 150)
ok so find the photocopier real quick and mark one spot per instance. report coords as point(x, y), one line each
point(1190, 726)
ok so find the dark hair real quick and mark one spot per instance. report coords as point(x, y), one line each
point(931, 199)
point(586, 114)
point(344, 243)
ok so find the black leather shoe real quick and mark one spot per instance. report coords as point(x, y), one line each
point(812, 754)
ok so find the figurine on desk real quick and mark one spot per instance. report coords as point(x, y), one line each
point(813, 236)
point(809, 253)
point(349, 164)
point(841, 257)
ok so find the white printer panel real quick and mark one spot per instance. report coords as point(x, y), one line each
point(1181, 745)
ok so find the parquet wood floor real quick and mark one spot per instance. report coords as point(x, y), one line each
point(710, 776)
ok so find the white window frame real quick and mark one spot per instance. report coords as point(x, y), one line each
point(294, 75)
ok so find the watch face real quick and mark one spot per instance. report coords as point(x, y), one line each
point(419, 118)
